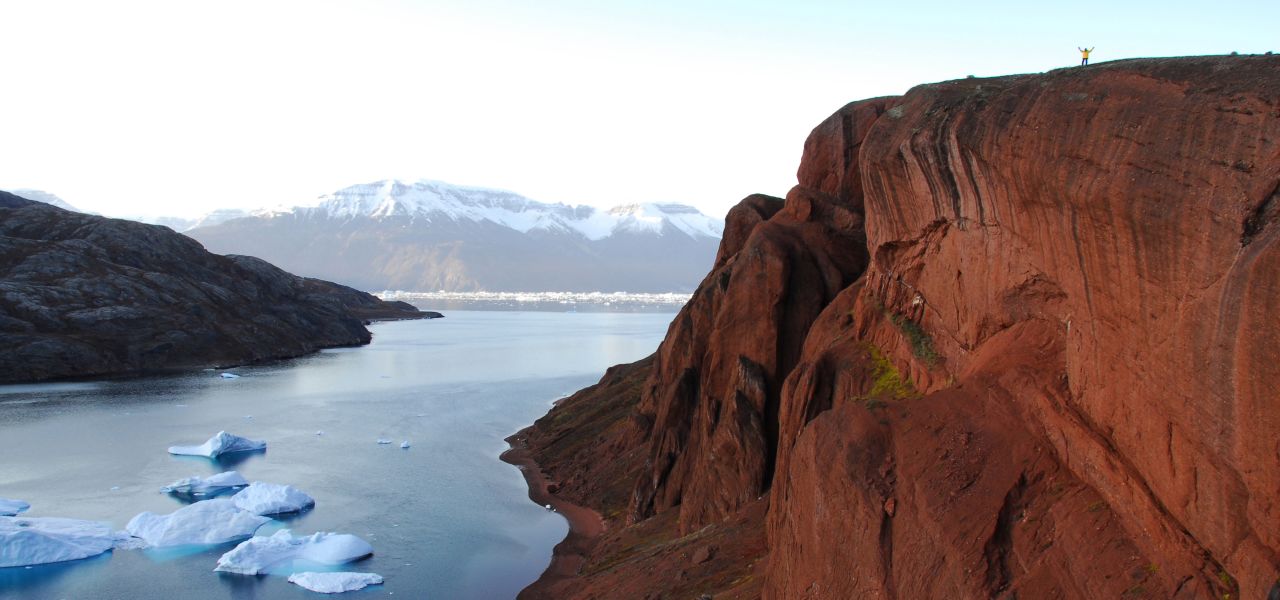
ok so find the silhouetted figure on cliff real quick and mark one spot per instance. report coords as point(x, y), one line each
point(1084, 55)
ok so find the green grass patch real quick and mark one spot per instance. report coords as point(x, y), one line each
point(921, 343)
point(886, 380)
point(887, 383)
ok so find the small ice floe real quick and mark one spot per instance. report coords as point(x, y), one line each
point(404, 444)
point(247, 417)
point(384, 441)
point(28, 541)
point(272, 499)
point(9, 507)
point(115, 488)
point(321, 432)
point(261, 554)
point(211, 486)
point(550, 508)
point(220, 443)
point(216, 521)
point(334, 583)
point(230, 376)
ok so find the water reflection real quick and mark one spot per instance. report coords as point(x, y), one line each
point(36, 578)
point(193, 497)
point(223, 462)
point(446, 517)
point(242, 587)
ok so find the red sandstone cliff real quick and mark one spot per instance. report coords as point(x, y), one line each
point(1008, 337)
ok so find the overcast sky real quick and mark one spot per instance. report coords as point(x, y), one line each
point(176, 108)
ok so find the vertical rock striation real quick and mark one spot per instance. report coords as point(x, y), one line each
point(1008, 337)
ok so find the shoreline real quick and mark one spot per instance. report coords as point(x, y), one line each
point(585, 525)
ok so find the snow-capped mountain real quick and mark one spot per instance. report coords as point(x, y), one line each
point(438, 200)
point(430, 235)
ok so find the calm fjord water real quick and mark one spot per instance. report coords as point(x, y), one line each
point(446, 518)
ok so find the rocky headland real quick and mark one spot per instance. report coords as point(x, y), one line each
point(1007, 338)
point(82, 295)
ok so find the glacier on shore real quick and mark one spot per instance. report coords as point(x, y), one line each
point(260, 555)
point(26, 541)
point(272, 499)
point(210, 486)
point(216, 521)
point(10, 507)
point(334, 583)
point(221, 443)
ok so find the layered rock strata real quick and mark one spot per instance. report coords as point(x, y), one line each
point(1008, 337)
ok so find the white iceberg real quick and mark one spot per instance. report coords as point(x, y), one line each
point(272, 499)
point(35, 541)
point(220, 443)
point(230, 376)
point(261, 554)
point(216, 521)
point(404, 444)
point(212, 486)
point(384, 441)
point(9, 508)
point(334, 583)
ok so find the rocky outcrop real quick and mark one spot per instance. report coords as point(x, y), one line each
point(82, 295)
point(1008, 337)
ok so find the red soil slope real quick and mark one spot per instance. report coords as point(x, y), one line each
point(1008, 337)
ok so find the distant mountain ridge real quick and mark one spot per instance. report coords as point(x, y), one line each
point(46, 198)
point(431, 235)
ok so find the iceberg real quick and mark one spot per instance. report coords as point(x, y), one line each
point(334, 583)
point(220, 443)
point(216, 521)
point(384, 441)
point(230, 376)
point(261, 554)
point(272, 499)
point(35, 541)
point(9, 508)
point(212, 486)
point(404, 444)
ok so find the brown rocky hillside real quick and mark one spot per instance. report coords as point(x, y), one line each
point(1007, 338)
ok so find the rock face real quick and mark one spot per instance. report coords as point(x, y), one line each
point(82, 295)
point(1008, 337)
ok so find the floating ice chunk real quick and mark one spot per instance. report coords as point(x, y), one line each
point(334, 583)
point(221, 443)
point(230, 376)
point(549, 507)
point(321, 432)
point(9, 508)
point(216, 521)
point(34, 541)
point(384, 441)
point(404, 444)
point(261, 554)
point(212, 486)
point(272, 499)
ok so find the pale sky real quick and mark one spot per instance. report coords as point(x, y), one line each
point(176, 108)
